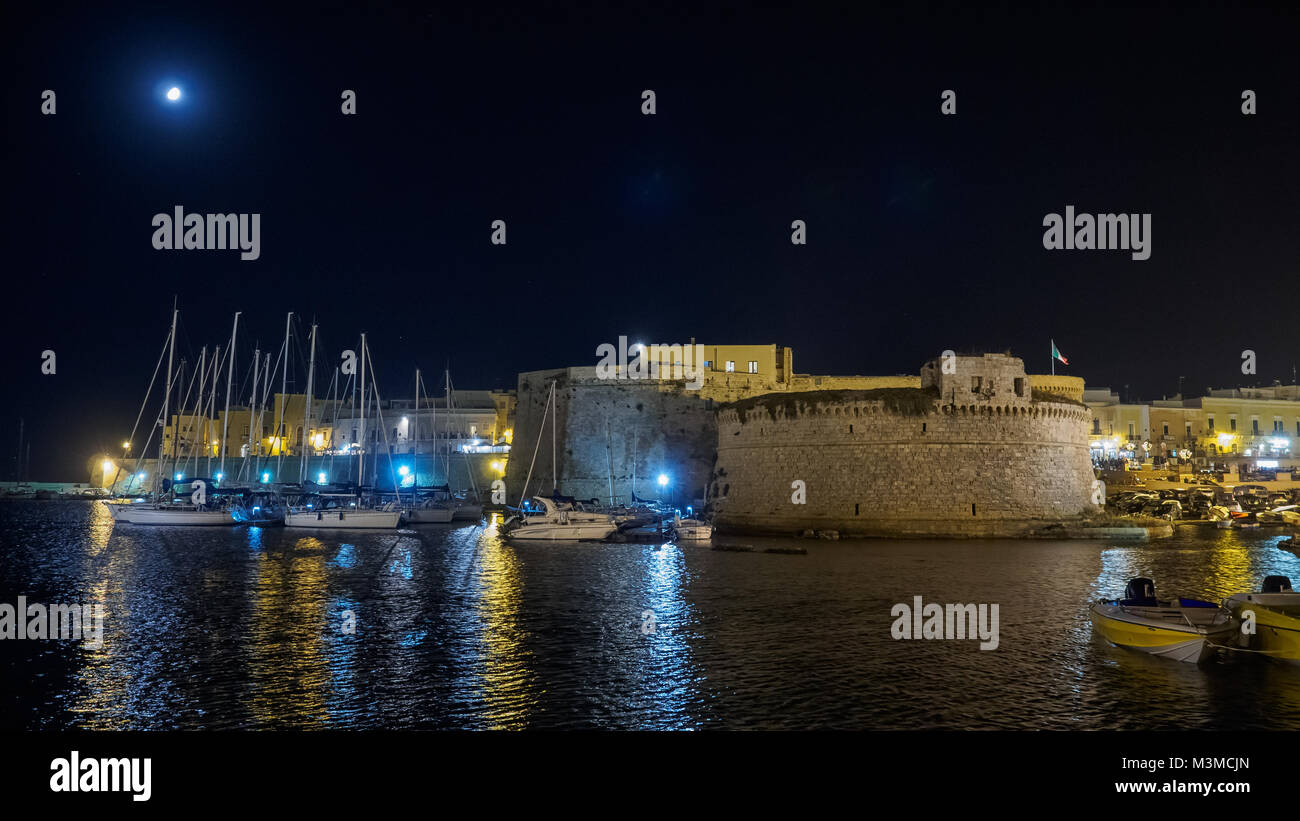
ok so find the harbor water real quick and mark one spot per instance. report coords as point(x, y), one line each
point(454, 628)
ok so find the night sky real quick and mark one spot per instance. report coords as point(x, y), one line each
point(924, 231)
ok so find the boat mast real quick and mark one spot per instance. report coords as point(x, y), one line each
point(609, 455)
point(555, 486)
point(212, 403)
point(446, 465)
point(230, 375)
point(284, 386)
point(361, 461)
point(252, 415)
point(167, 395)
point(415, 493)
point(306, 413)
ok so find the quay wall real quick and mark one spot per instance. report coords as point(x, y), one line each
point(975, 453)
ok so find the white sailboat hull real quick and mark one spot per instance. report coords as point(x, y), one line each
point(146, 515)
point(344, 519)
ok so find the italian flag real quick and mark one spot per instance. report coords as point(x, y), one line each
point(1056, 354)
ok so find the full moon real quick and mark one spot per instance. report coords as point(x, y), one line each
point(173, 93)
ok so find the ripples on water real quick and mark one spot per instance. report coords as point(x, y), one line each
point(454, 628)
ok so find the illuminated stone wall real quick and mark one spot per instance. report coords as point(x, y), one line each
point(971, 453)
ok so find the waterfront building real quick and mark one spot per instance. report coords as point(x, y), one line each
point(656, 437)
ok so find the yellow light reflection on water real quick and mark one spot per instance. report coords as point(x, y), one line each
point(287, 670)
point(505, 661)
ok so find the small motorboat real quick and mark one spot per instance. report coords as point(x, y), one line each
point(1277, 515)
point(691, 530)
point(1182, 629)
point(1274, 616)
point(549, 521)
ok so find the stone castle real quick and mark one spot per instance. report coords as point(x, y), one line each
point(972, 447)
point(978, 449)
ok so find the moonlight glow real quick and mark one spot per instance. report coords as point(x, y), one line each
point(173, 94)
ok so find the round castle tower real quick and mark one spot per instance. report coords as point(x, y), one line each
point(975, 451)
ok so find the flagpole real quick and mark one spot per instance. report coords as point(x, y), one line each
point(1053, 357)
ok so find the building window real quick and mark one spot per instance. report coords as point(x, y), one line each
point(245, 430)
point(1254, 426)
point(753, 366)
point(1277, 425)
point(1096, 426)
point(1130, 430)
point(731, 366)
point(1166, 428)
point(976, 382)
point(1020, 386)
point(1189, 430)
point(1210, 424)
point(1232, 423)
point(708, 363)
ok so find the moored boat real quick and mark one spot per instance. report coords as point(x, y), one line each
point(340, 512)
point(553, 523)
point(1273, 614)
point(691, 530)
point(1181, 629)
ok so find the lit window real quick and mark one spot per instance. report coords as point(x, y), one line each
point(753, 366)
point(731, 366)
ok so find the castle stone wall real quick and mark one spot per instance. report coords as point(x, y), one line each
point(971, 453)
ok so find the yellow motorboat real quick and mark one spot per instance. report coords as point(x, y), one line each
point(1270, 618)
point(1181, 629)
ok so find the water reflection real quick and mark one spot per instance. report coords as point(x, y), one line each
point(452, 627)
point(503, 656)
point(286, 667)
point(667, 677)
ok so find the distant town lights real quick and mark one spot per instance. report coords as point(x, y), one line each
point(173, 94)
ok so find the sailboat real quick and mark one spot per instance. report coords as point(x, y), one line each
point(348, 510)
point(550, 519)
point(166, 509)
point(427, 508)
point(463, 508)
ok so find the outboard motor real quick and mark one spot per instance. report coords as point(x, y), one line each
point(1276, 584)
point(1140, 592)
